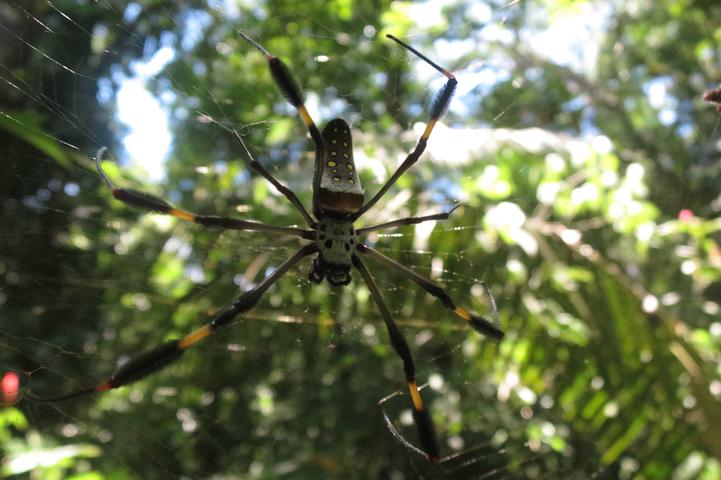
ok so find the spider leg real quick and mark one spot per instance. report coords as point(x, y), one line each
point(151, 203)
point(440, 104)
point(424, 423)
point(289, 87)
point(294, 95)
point(478, 323)
point(395, 432)
point(408, 221)
point(285, 191)
point(167, 353)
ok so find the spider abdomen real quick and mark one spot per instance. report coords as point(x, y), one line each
point(340, 190)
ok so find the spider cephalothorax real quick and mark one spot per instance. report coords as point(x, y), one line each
point(337, 203)
point(336, 242)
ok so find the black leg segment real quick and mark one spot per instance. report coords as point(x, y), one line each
point(408, 221)
point(478, 323)
point(292, 92)
point(154, 204)
point(160, 357)
point(440, 104)
point(426, 431)
point(288, 87)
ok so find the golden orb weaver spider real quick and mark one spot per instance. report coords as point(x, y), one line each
point(338, 202)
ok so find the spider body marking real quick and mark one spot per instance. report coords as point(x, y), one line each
point(336, 242)
point(339, 191)
point(338, 201)
point(339, 196)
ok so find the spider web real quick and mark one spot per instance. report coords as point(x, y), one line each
point(297, 381)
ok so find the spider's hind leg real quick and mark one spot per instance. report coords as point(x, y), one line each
point(160, 357)
point(422, 418)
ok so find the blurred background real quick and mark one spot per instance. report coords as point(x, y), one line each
point(587, 165)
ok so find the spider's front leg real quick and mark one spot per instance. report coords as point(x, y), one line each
point(288, 87)
point(294, 95)
point(426, 430)
point(440, 104)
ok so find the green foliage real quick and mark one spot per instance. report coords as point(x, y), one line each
point(590, 212)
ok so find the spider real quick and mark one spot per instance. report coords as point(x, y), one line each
point(337, 246)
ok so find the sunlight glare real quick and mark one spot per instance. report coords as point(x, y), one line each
point(572, 37)
point(149, 137)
